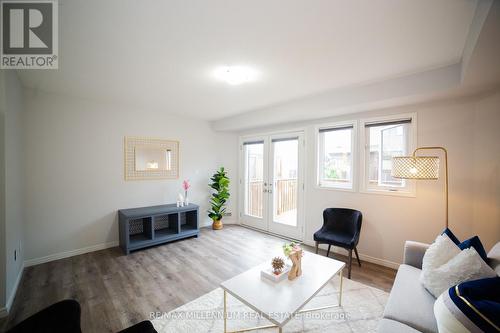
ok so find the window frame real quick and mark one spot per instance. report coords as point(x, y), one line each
point(410, 189)
point(354, 156)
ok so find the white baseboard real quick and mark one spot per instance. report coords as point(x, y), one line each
point(10, 299)
point(364, 257)
point(71, 253)
point(13, 292)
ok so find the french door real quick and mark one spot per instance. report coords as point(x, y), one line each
point(272, 183)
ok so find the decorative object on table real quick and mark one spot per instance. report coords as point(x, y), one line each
point(220, 187)
point(294, 253)
point(186, 186)
point(180, 200)
point(422, 168)
point(277, 271)
point(150, 158)
point(341, 227)
point(278, 264)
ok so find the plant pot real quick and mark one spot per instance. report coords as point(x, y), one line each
point(217, 225)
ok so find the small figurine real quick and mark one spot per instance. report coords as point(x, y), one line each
point(180, 200)
point(278, 264)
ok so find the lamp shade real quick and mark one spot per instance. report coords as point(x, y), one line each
point(415, 167)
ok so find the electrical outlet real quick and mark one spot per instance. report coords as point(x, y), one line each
point(228, 214)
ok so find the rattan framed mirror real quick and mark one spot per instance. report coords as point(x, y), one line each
point(150, 158)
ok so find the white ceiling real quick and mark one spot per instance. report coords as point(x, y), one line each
point(161, 54)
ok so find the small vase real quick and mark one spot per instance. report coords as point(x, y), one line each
point(217, 225)
point(186, 199)
point(296, 270)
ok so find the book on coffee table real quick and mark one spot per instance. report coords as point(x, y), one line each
point(268, 273)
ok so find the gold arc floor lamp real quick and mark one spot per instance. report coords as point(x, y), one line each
point(421, 168)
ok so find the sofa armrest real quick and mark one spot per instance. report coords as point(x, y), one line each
point(414, 253)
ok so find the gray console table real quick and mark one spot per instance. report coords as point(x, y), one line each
point(147, 226)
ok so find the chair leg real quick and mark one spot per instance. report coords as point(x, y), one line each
point(350, 264)
point(317, 244)
point(328, 252)
point(357, 256)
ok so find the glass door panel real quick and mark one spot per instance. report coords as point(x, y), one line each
point(286, 180)
point(254, 173)
point(285, 173)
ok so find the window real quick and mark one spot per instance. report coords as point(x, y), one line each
point(335, 156)
point(383, 139)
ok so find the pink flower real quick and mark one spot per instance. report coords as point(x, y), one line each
point(186, 185)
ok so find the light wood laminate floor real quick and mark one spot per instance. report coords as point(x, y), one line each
point(116, 291)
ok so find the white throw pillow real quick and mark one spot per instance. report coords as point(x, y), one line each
point(439, 253)
point(465, 266)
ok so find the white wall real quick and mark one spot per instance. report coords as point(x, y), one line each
point(468, 129)
point(74, 169)
point(486, 171)
point(12, 107)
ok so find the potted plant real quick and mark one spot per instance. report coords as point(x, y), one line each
point(220, 187)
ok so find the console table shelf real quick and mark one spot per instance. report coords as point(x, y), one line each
point(147, 226)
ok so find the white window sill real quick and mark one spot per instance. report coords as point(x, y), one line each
point(334, 188)
point(408, 194)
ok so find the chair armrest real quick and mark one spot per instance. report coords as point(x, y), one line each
point(63, 316)
point(414, 253)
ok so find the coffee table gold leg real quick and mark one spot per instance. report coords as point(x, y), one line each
point(340, 293)
point(225, 311)
point(280, 330)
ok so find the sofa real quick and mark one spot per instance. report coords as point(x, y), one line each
point(410, 307)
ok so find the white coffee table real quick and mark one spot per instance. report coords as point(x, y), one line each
point(280, 301)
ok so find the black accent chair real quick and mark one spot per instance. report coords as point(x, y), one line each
point(64, 317)
point(341, 227)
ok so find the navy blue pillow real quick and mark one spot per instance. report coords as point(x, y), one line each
point(475, 242)
point(479, 300)
point(450, 234)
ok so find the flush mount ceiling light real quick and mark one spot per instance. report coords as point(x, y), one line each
point(235, 75)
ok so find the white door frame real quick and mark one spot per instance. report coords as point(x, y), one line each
point(265, 224)
point(255, 222)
